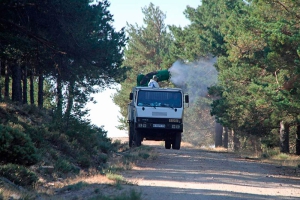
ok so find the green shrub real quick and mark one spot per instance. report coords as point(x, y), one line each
point(105, 146)
point(37, 135)
point(270, 152)
point(76, 187)
point(283, 156)
point(84, 161)
point(132, 195)
point(19, 175)
point(16, 147)
point(31, 109)
point(65, 166)
point(91, 138)
point(102, 158)
point(97, 190)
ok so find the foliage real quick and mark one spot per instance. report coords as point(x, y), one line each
point(65, 166)
point(16, 147)
point(147, 51)
point(257, 45)
point(67, 50)
point(66, 152)
point(19, 175)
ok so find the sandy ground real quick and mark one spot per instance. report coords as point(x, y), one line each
point(195, 174)
point(198, 174)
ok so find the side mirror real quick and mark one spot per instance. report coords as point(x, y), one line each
point(186, 98)
point(131, 96)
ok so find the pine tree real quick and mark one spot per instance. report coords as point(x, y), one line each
point(146, 52)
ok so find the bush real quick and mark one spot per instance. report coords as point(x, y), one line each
point(76, 187)
point(16, 147)
point(84, 161)
point(102, 158)
point(268, 153)
point(65, 166)
point(91, 138)
point(19, 175)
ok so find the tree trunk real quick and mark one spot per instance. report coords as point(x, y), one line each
point(7, 80)
point(41, 90)
point(70, 101)
point(298, 140)
point(218, 135)
point(31, 92)
point(59, 99)
point(236, 142)
point(284, 137)
point(0, 80)
point(16, 83)
point(225, 139)
point(25, 85)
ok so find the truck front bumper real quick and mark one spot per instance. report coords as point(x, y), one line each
point(160, 126)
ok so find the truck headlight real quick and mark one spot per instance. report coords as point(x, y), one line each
point(175, 126)
point(142, 125)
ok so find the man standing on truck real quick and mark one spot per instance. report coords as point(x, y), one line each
point(153, 82)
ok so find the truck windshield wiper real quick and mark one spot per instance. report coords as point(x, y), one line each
point(148, 104)
point(167, 105)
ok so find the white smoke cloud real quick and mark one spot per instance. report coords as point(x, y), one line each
point(178, 73)
point(194, 78)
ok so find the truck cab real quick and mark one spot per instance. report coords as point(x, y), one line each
point(156, 114)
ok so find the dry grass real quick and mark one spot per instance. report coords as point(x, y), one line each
point(8, 190)
point(217, 149)
point(281, 159)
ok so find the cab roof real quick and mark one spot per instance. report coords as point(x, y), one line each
point(157, 89)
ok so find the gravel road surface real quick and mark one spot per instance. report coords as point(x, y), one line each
point(192, 174)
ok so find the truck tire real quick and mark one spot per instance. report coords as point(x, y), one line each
point(130, 133)
point(137, 138)
point(176, 141)
point(168, 144)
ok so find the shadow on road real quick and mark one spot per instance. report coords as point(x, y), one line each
point(197, 174)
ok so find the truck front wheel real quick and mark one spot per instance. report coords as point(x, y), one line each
point(137, 138)
point(131, 132)
point(168, 144)
point(176, 141)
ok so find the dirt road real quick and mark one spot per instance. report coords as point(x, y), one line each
point(197, 174)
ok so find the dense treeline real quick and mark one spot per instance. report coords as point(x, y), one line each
point(53, 56)
point(256, 44)
point(71, 45)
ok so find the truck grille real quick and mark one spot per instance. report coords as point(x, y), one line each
point(158, 120)
point(159, 114)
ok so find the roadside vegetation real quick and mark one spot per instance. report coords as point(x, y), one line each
point(46, 162)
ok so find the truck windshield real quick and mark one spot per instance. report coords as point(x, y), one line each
point(159, 99)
